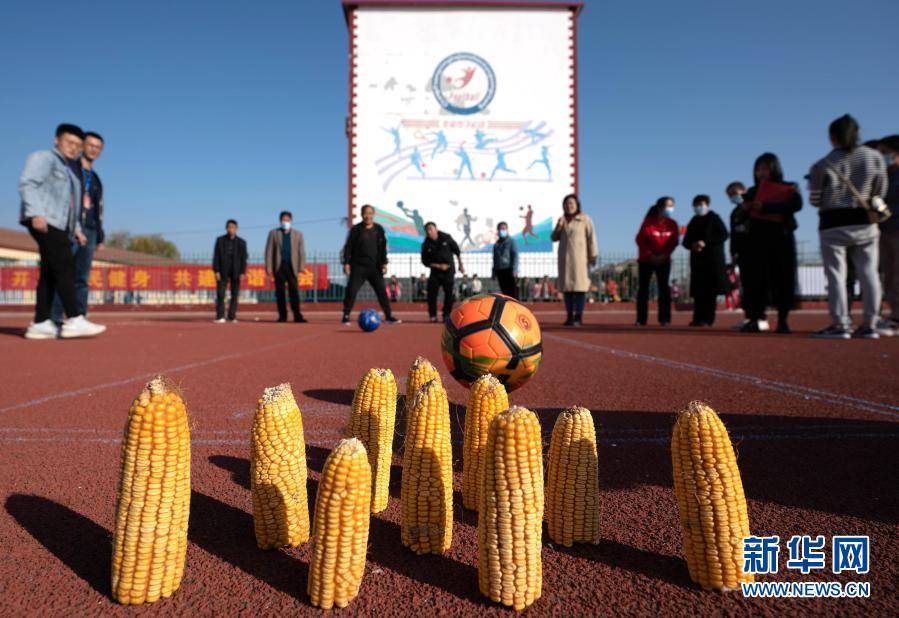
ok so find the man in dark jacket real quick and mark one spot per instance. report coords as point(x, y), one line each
point(365, 259)
point(705, 239)
point(437, 253)
point(229, 261)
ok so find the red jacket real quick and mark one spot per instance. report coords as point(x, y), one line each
point(657, 236)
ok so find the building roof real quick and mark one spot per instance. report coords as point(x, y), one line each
point(22, 241)
point(349, 5)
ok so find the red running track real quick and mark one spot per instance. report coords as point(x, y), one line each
point(814, 423)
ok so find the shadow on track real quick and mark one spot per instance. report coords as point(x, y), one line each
point(343, 396)
point(12, 331)
point(227, 533)
point(237, 466)
point(793, 461)
point(82, 545)
point(669, 569)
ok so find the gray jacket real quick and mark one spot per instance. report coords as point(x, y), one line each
point(505, 255)
point(273, 251)
point(863, 166)
point(49, 189)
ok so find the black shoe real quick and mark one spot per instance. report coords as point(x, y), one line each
point(662, 324)
point(578, 320)
point(752, 326)
point(638, 323)
point(345, 319)
point(282, 319)
point(392, 320)
point(300, 319)
point(570, 320)
point(696, 324)
point(433, 319)
point(783, 328)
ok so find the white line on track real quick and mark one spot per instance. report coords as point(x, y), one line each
point(787, 388)
point(147, 376)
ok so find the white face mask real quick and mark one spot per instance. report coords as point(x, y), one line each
point(888, 159)
point(701, 210)
point(285, 225)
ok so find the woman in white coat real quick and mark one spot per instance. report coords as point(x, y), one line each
point(577, 251)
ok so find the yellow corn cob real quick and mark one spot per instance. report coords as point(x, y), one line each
point(572, 492)
point(510, 519)
point(372, 420)
point(420, 372)
point(278, 471)
point(710, 498)
point(340, 529)
point(427, 487)
point(487, 399)
point(153, 497)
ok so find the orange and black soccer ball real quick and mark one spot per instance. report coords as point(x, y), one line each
point(492, 333)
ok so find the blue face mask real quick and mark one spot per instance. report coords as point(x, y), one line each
point(503, 233)
point(701, 210)
point(736, 199)
point(285, 225)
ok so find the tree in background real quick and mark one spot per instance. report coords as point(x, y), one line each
point(152, 244)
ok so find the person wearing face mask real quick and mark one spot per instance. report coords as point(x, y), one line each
point(505, 261)
point(889, 236)
point(771, 270)
point(705, 238)
point(285, 257)
point(577, 252)
point(739, 242)
point(656, 240)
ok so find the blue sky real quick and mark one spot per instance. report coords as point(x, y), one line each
point(220, 109)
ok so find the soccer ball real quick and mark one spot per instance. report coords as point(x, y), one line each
point(369, 320)
point(492, 333)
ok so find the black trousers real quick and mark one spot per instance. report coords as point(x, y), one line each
point(506, 281)
point(771, 274)
point(57, 275)
point(662, 272)
point(285, 277)
point(220, 287)
point(705, 303)
point(358, 276)
point(441, 279)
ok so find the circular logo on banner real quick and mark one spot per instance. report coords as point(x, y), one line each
point(464, 83)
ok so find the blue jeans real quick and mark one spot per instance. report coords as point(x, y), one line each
point(84, 258)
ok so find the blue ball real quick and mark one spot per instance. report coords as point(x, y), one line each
point(369, 320)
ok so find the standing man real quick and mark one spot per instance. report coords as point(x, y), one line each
point(229, 262)
point(51, 196)
point(285, 257)
point(365, 259)
point(90, 214)
point(505, 260)
point(437, 253)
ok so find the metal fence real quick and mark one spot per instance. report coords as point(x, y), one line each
point(537, 280)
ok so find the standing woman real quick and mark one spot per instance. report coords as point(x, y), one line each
point(844, 186)
point(505, 261)
point(577, 251)
point(705, 239)
point(772, 205)
point(656, 240)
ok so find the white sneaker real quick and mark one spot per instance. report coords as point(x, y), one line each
point(42, 330)
point(763, 325)
point(219, 321)
point(80, 326)
point(887, 328)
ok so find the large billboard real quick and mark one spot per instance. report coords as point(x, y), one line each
point(464, 115)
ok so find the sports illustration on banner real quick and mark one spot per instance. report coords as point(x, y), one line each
point(464, 116)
